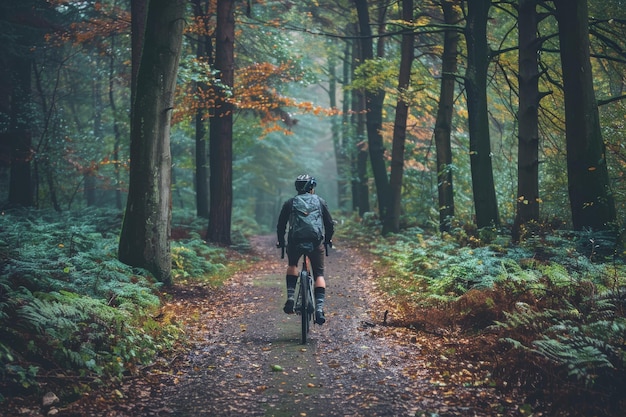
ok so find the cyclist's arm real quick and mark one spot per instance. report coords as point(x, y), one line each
point(329, 224)
point(281, 226)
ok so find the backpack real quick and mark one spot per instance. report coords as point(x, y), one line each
point(305, 221)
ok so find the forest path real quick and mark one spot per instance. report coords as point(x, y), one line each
point(245, 356)
point(346, 369)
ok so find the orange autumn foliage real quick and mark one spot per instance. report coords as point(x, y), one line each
point(255, 92)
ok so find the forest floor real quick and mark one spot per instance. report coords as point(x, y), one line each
point(244, 355)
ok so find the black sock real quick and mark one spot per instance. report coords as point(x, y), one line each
point(291, 286)
point(320, 294)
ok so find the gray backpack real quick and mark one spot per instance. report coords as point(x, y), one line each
point(305, 222)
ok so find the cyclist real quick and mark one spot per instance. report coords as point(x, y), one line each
point(314, 249)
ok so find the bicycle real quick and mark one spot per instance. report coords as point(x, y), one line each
point(305, 299)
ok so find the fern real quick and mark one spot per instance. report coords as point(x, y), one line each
point(583, 357)
point(66, 300)
point(194, 258)
point(584, 337)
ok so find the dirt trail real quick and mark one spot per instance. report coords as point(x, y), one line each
point(346, 368)
point(247, 360)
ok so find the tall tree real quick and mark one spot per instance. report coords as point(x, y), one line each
point(204, 51)
point(443, 124)
point(20, 135)
point(591, 199)
point(144, 239)
point(392, 220)
point(339, 141)
point(221, 129)
point(478, 57)
point(23, 24)
point(359, 154)
point(374, 99)
point(528, 136)
point(346, 181)
point(116, 125)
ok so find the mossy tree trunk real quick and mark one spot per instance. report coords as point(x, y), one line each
point(144, 240)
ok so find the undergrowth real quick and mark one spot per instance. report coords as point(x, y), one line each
point(556, 300)
point(68, 306)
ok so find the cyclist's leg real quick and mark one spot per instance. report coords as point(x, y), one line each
point(317, 264)
point(291, 279)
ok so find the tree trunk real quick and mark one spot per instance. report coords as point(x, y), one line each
point(116, 130)
point(221, 130)
point(374, 115)
point(443, 124)
point(528, 148)
point(337, 132)
point(392, 220)
point(591, 199)
point(20, 136)
point(139, 14)
point(202, 167)
point(478, 56)
point(346, 188)
point(359, 153)
point(90, 172)
point(203, 53)
point(144, 240)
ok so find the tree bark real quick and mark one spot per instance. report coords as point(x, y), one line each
point(221, 130)
point(90, 172)
point(203, 53)
point(345, 187)
point(591, 199)
point(374, 115)
point(20, 136)
point(144, 240)
point(528, 148)
point(478, 56)
point(116, 129)
point(139, 14)
point(443, 124)
point(392, 220)
point(360, 146)
point(358, 149)
point(337, 133)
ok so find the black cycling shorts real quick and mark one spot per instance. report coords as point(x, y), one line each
point(316, 257)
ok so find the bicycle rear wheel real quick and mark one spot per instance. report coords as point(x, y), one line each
point(305, 304)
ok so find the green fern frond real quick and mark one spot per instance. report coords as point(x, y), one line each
point(581, 357)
